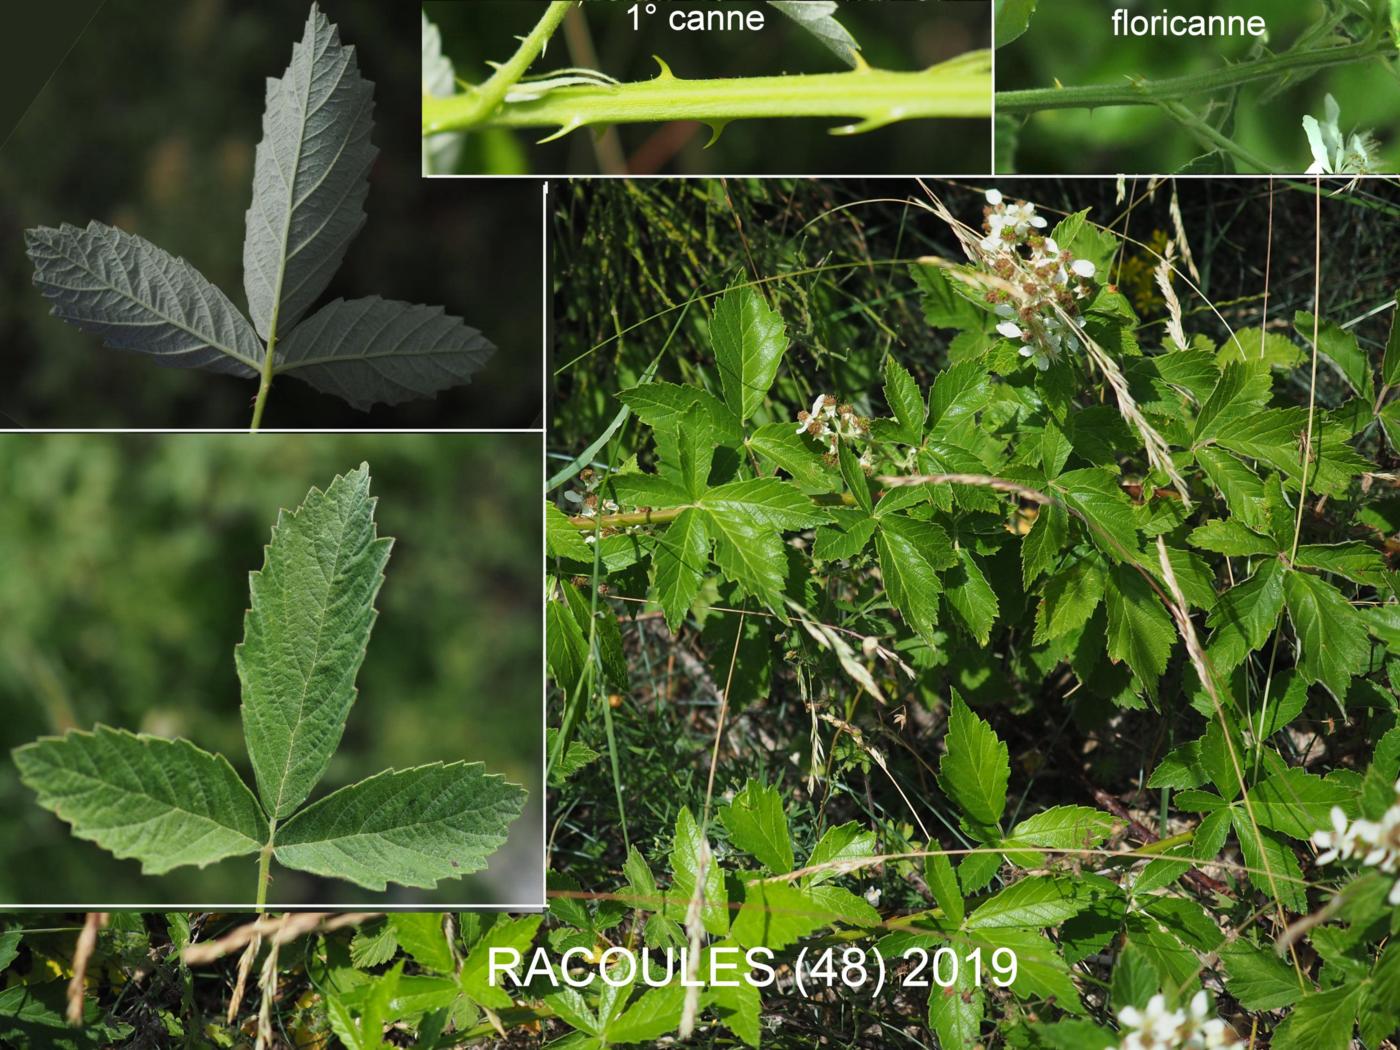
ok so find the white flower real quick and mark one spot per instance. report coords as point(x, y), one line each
point(872, 896)
point(1157, 1028)
point(1333, 153)
point(1375, 843)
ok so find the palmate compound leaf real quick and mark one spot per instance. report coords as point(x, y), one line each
point(162, 802)
point(138, 297)
point(408, 826)
point(304, 636)
point(310, 177)
point(378, 350)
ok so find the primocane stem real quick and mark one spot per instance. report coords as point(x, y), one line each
point(872, 97)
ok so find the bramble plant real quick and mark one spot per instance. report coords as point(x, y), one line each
point(569, 99)
point(1076, 498)
point(310, 182)
point(168, 803)
point(1346, 33)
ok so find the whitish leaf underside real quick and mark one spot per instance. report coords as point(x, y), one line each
point(409, 826)
point(304, 636)
point(310, 178)
point(377, 350)
point(163, 802)
point(139, 297)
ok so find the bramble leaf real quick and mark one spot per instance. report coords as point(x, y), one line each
point(1034, 902)
point(749, 342)
point(1060, 827)
point(975, 771)
point(1230, 538)
point(310, 178)
point(679, 562)
point(304, 636)
point(1140, 632)
point(818, 18)
point(1246, 615)
point(758, 825)
point(905, 401)
point(1339, 346)
point(911, 552)
point(1331, 634)
point(971, 597)
point(139, 297)
point(162, 802)
point(377, 351)
point(408, 826)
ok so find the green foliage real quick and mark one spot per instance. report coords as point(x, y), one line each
point(168, 803)
point(1056, 643)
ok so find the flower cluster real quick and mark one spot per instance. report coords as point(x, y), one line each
point(1376, 843)
point(1335, 154)
point(1156, 1028)
point(1050, 281)
point(833, 423)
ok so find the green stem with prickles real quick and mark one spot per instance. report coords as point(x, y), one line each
point(871, 97)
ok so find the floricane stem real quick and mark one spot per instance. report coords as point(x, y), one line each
point(873, 97)
point(265, 866)
point(1145, 92)
point(264, 385)
point(484, 100)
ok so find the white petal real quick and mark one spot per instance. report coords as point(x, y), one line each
point(1322, 163)
point(1010, 330)
point(1083, 268)
point(994, 197)
point(1038, 222)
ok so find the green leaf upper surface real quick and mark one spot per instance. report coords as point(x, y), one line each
point(139, 297)
point(310, 178)
point(1331, 634)
point(304, 636)
point(679, 561)
point(976, 769)
point(163, 802)
point(749, 341)
point(1140, 632)
point(408, 826)
point(758, 824)
point(377, 351)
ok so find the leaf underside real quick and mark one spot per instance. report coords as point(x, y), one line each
point(304, 636)
point(378, 350)
point(163, 802)
point(139, 297)
point(310, 178)
point(409, 826)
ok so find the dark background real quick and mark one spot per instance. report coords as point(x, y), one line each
point(150, 124)
point(123, 584)
point(893, 34)
point(1073, 41)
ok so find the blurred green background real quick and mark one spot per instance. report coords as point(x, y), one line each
point(150, 124)
point(893, 34)
point(123, 584)
point(1072, 42)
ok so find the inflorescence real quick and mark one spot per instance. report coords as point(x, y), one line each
point(1050, 280)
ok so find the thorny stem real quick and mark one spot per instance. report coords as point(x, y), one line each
point(481, 103)
point(873, 97)
point(1147, 92)
point(265, 866)
point(264, 385)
